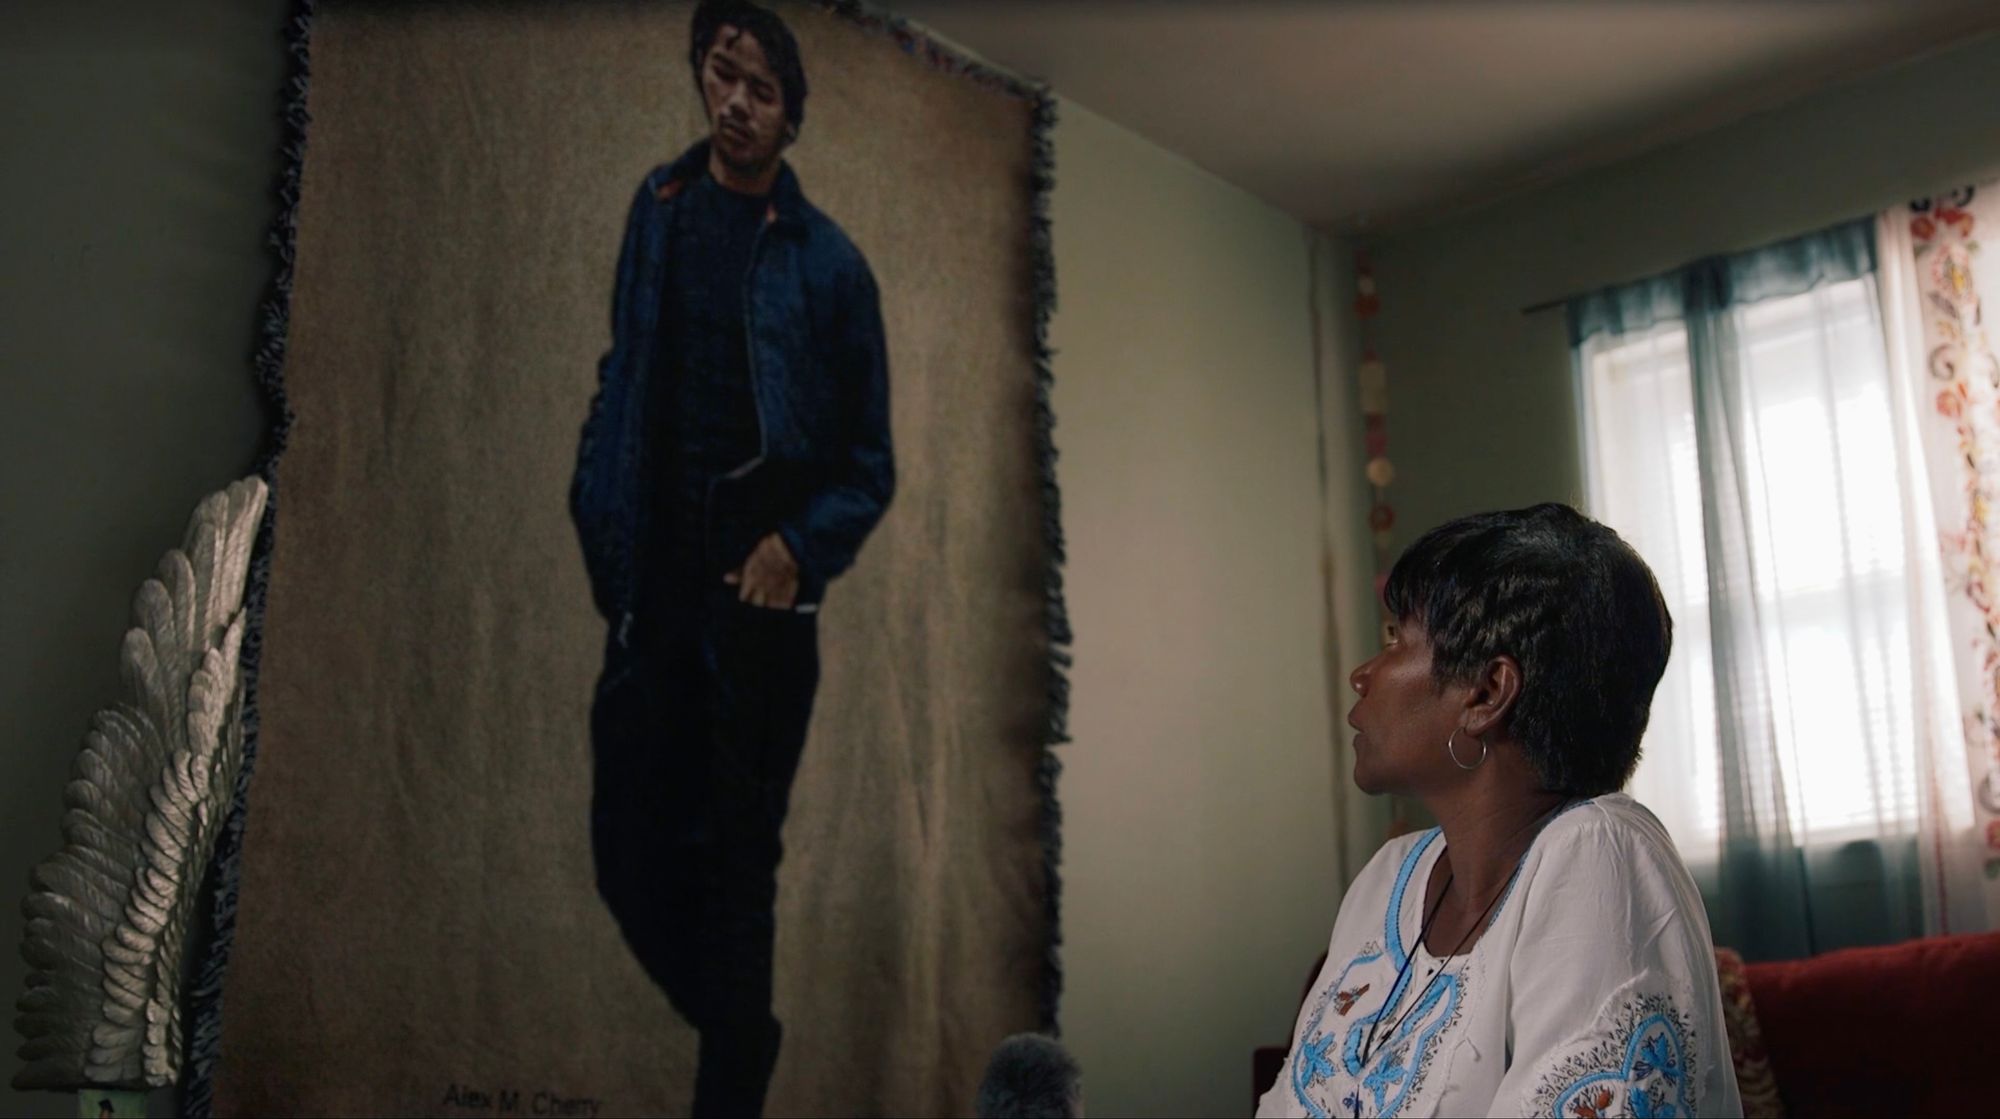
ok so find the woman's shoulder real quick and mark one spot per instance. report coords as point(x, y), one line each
point(1613, 820)
point(1609, 844)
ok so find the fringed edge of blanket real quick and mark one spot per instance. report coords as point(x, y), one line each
point(1057, 609)
point(1042, 264)
point(203, 1009)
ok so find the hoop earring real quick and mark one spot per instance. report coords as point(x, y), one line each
point(1450, 747)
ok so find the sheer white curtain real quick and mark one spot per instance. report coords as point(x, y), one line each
point(1645, 483)
point(1742, 431)
point(1818, 439)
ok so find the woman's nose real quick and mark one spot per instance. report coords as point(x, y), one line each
point(1358, 679)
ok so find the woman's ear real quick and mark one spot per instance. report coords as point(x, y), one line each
point(1492, 696)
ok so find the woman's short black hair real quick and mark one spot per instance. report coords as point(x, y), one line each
point(780, 49)
point(1573, 604)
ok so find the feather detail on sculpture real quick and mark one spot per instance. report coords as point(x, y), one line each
point(108, 914)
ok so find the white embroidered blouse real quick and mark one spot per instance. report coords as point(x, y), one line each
point(1592, 993)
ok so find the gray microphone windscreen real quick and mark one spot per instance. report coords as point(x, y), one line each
point(1031, 1076)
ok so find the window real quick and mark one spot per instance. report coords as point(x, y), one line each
point(1808, 429)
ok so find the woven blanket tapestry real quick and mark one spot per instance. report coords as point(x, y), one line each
point(660, 634)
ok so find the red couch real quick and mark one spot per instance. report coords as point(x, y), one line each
point(1904, 1029)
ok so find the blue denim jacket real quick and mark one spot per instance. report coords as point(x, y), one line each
point(820, 378)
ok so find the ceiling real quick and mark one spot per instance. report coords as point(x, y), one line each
point(1374, 114)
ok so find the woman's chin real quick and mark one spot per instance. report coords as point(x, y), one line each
point(1366, 779)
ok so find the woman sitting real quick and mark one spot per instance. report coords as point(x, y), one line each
point(1542, 951)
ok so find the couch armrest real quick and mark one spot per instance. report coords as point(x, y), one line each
point(1266, 1062)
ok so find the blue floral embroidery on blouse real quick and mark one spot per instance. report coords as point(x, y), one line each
point(1399, 1068)
point(1643, 1061)
point(1310, 1063)
point(1316, 1064)
point(1657, 1053)
point(1388, 1072)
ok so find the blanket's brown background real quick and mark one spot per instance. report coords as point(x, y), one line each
point(418, 921)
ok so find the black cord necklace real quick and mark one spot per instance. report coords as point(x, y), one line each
point(1368, 1044)
point(1442, 964)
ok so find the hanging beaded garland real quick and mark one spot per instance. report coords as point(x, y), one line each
point(1372, 378)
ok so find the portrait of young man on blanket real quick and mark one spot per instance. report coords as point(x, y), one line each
point(734, 461)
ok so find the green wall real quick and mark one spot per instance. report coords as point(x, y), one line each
point(1199, 843)
point(1483, 412)
point(139, 143)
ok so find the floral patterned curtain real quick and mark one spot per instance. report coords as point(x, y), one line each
point(1935, 283)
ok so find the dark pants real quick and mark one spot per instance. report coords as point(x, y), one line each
point(696, 733)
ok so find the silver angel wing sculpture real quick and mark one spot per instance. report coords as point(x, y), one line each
point(108, 914)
